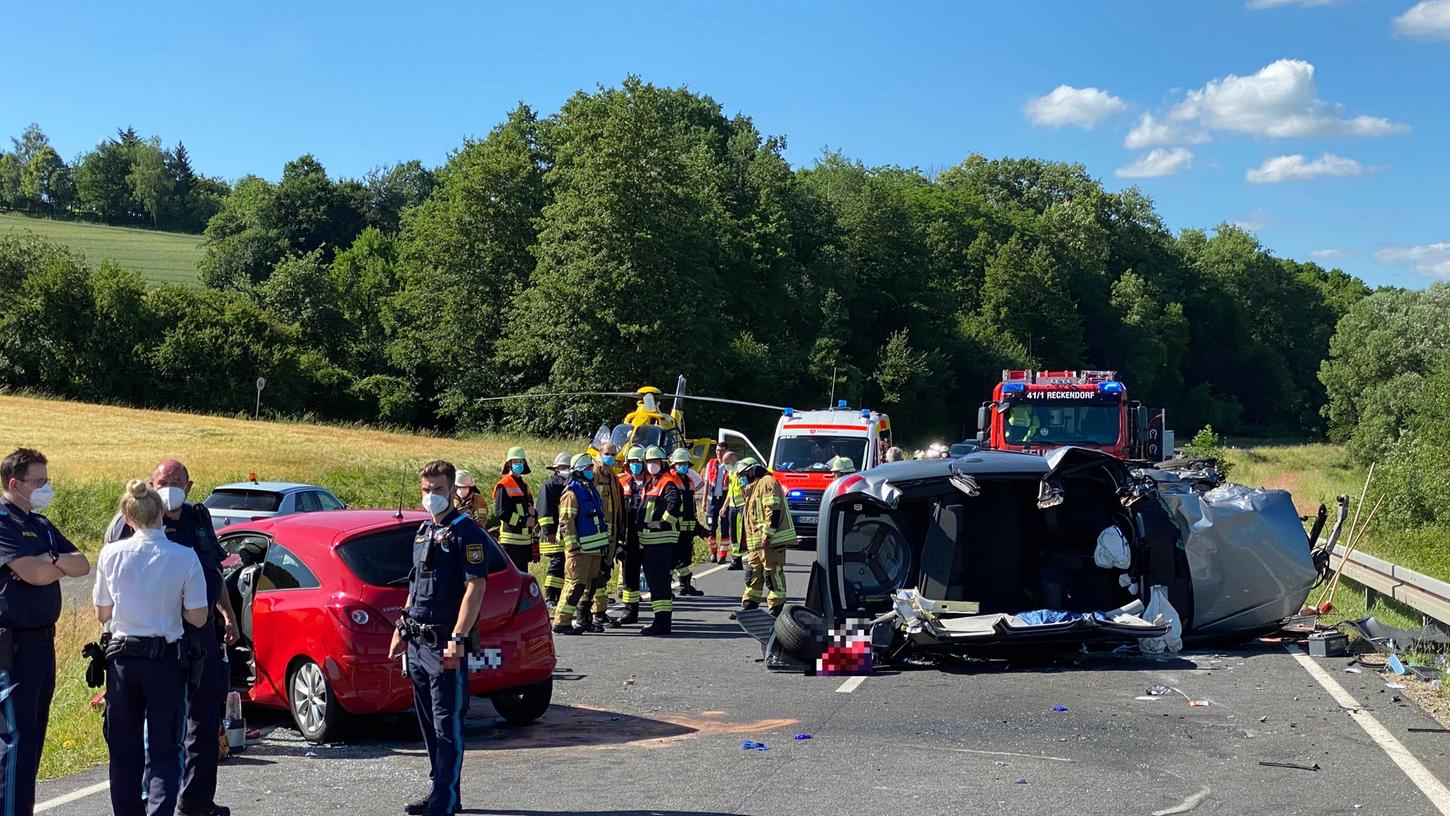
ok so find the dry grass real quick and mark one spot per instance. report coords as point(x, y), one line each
point(74, 739)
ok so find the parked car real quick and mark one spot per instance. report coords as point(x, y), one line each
point(252, 501)
point(318, 595)
point(997, 550)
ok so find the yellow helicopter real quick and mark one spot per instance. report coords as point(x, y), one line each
point(648, 424)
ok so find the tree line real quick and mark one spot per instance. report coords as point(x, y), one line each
point(639, 233)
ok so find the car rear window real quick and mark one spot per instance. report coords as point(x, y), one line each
point(386, 558)
point(255, 501)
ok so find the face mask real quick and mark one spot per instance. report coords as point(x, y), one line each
point(610, 460)
point(563, 473)
point(654, 468)
point(517, 468)
point(682, 469)
point(435, 503)
point(173, 498)
point(589, 475)
point(635, 468)
point(40, 497)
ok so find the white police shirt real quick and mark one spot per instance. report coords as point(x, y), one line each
point(149, 580)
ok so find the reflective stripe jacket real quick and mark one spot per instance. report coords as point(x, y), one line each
point(548, 507)
point(716, 477)
point(662, 510)
point(734, 491)
point(632, 488)
point(581, 518)
point(767, 519)
point(688, 519)
point(611, 492)
point(512, 503)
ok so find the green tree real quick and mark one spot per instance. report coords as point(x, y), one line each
point(29, 143)
point(10, 170)
point(45, 183)
point(102, 186)
point(1024, 295)
point(150, 180)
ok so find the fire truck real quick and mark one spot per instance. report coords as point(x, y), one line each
point(1035, 411)
point(804, 445)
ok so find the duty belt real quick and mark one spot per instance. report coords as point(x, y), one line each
point(424, 633)
point(148, 648)
point(44, 634)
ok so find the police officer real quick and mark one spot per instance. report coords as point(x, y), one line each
point(549, 546)
point(190, 526)
point(632, 483)
point(689, 524)
point(147, 586)
point(513, 504)
point(450, 568)
point(659, 537)
point(769, 533)
point(585, 536)
point(34, 556)
point(606, 480)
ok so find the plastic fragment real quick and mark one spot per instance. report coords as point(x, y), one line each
point(802, 736)
point(1352, 670)
point(1147, 698)
point(1199, 703)
point(1292, 765)
point(752, 745)
point(1394, 685)
point(1396, 665)
point(1021, 782)
point(1059, 708)
point(310, 753)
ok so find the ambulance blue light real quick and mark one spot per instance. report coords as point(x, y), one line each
point(1110, 387)
point(841, 404)
point(865, 413)
point(789, 412)
point(1014, 388)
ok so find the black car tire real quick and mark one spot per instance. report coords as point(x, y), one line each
point(523, 705)
point(796, 631)
point(314, 708)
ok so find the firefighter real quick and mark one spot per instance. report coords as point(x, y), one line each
point(769, 533)
point(1022, 424)
point(545, 511)
point(606, 479)
point(689, 524)
point(632, 484)
point(842, 465)
point(513, 504)
point(734, 504)
point(466, 497)
point(659, 537)
point(584, 535)
point(716, 477)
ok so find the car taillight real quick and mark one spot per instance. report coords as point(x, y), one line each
point(359, 617)
point(529, 596)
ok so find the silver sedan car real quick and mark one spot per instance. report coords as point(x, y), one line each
point(249, 501)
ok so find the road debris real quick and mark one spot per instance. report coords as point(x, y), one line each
point(1059, 708)
point(1396, 665)
point(802, 736)
point(1394, 685)
point(1352, 670)
point(752, 745)
point(1294, 766)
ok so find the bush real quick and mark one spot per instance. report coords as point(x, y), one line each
point(1208, 445)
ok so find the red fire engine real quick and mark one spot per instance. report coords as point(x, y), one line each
point(1035, 411)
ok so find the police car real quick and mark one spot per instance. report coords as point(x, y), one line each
point(253, 501)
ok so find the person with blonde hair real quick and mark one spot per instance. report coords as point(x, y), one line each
point(146, 587)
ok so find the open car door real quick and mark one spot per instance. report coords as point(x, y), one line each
point(727, 435)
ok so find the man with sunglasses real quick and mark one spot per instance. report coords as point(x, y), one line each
point(34, 556)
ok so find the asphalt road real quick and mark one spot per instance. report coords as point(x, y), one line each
point(649, 726)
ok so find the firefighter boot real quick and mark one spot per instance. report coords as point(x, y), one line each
point(567, 629)
point(687, 586)
point(583, 621)
point(658, 627)
point(631, 615)
point(735, 564)
point(551, 596)
point(600, 621)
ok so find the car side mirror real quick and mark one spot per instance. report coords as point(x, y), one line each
point(982, 418)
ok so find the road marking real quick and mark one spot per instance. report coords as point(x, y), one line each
point(73, 796)
point(710, 571)
point(1436, 792)
point(851, 684)
point(1188, 804)
point(993, 753)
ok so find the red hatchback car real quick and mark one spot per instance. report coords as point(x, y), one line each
point(317, 595)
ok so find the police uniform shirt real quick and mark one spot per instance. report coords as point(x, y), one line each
point(148, 580)
point(192, 528)
point(445, 557)
point(23, 606)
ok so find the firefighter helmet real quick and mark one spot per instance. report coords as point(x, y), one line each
point(680, 457)
point(581, 463)
point(655, 452)
point(634, 454)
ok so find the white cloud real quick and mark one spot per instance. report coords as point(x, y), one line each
point(1066, 105)
point(1257, 221)
point(1259, 5)
point(1278, 101)
point(1430, 260)
point(1152, 131)
point(1429, 19)
point(1329, 254)
point(1160, 162)
point(1298, 168)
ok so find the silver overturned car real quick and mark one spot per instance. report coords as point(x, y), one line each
point(993, 551)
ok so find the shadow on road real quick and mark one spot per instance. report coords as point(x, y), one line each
point(514, 812)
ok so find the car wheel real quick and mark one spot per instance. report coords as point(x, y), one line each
point(314, 707)
point(523, 705)
point(796, 628)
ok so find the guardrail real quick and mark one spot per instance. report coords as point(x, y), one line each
point(1429, 596)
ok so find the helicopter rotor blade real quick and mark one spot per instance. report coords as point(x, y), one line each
point(731, 402)
point(531, 395)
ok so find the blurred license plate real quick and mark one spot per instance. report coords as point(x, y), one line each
point(805, 519)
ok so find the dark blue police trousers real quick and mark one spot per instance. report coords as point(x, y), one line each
point(146, 704)
point(440, 699)
point(25, 692)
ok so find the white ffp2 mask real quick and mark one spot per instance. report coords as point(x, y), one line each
point(435, 503)
point(172, 497)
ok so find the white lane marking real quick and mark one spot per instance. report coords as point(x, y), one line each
point(1188, 804)
point(1433, 789)
point(993, 753)
point(851, 684)
point(73, 796)
point(710, 571)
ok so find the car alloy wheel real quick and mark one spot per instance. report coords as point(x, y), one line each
point(314, 708)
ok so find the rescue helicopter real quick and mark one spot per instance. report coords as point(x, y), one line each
point(648, 424)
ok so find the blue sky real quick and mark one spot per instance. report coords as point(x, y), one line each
point(1355, 89)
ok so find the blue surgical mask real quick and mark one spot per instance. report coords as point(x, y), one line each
point(610, 459)
point(682, 469)
point(517, 468)
point(636, 467)
point(589, 475)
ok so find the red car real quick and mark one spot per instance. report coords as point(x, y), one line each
point(317, 595)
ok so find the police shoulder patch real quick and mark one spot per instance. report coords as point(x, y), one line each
point(474, 553)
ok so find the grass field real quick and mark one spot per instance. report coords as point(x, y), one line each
point(163, 257)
